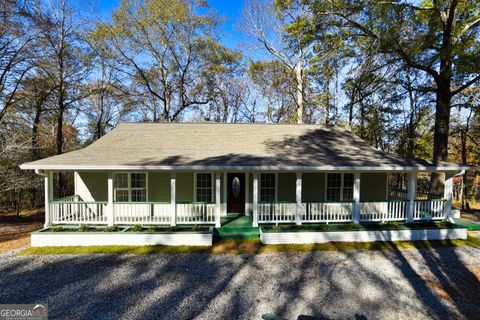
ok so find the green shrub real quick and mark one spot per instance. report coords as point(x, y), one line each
point(196, 228)
point(137, 228)
point(112, 229)
point(56, 229)
point(156, 228)
point(84, 228)
point(277, 227)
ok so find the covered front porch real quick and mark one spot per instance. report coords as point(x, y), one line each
point(154, 198)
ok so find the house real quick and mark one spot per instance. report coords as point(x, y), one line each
point(195, 174)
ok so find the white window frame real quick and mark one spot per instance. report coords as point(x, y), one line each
point(129, 188)
point(260, 185)
point(212, 186)
point(342, 174)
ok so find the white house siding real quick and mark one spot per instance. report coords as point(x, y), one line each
point(92, 186)
point(373, 186)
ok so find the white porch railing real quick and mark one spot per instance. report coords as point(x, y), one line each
point(195, 213)
point(71, 210)
point(277, 212)
point(141, 213)
point(327, 212)
point(383, 211)
point(429, 209)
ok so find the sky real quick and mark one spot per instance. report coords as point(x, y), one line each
point(230, 10)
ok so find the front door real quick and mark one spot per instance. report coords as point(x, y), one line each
point(236, 193)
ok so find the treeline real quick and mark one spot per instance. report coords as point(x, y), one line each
point(403, 75)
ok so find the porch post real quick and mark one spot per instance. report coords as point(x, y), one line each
point(255, 200)
point(224, 209)
point(298, 211)
point(448, 194)
point(48, 197)
point(217, 200)
point(247, 193)
point(110, 213)
point(356, 198)
point(412, 193)
point(173, 204)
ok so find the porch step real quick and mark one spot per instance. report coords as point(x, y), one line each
point(239, 228)
point(236, 234)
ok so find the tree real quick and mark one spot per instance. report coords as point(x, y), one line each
point(279, 29)
point(107, 102)
point(15, 40)
point(438, 38)
point(166, 54)
point(63, 62)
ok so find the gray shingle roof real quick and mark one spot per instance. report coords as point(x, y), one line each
point(196, 146)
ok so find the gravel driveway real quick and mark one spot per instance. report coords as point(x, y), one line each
point(409, 284)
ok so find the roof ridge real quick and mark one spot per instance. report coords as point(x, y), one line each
point(226, 123)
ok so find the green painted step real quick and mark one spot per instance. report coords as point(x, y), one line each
point(236, 235)
point(237, 228)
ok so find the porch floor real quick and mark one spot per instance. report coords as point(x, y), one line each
point(237, 227)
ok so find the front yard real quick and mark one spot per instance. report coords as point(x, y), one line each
point(399, 283)
point(243, 278)
point(15, 230)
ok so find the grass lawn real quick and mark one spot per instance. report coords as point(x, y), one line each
point(253, 247)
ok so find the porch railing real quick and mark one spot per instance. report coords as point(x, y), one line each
point(141, 213)
point(429, 209)
point(72, 210)
point(383, 211)
point(276, 212)
point(195, 213)
point(327, 212)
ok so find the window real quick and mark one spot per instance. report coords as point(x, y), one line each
point(130, 187)
point(204, 187)
point(334, 186)
point(267, 187)
point(339, 187)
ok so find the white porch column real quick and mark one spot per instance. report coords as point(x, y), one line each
point(48, 198)
point(247, 193)
point(217, 200)
point(448, 194)
point(110, 210)
point(224, 209)
point(298, 193)
point(412, 193)
point(255, 200)
point(173, 199)
point(356, 198)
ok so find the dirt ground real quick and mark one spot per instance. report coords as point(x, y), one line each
point(15, 230)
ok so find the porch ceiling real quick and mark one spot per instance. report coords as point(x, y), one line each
point(181, 146)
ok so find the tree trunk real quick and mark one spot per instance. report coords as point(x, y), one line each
point(443, 101)
point(60, 140)
point(299, 91)
point(410, 152)
point(17, 207)
point(440, 138)
point(36, 123)
point(362, 121)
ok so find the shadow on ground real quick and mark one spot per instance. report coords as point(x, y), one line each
point(415, 283)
